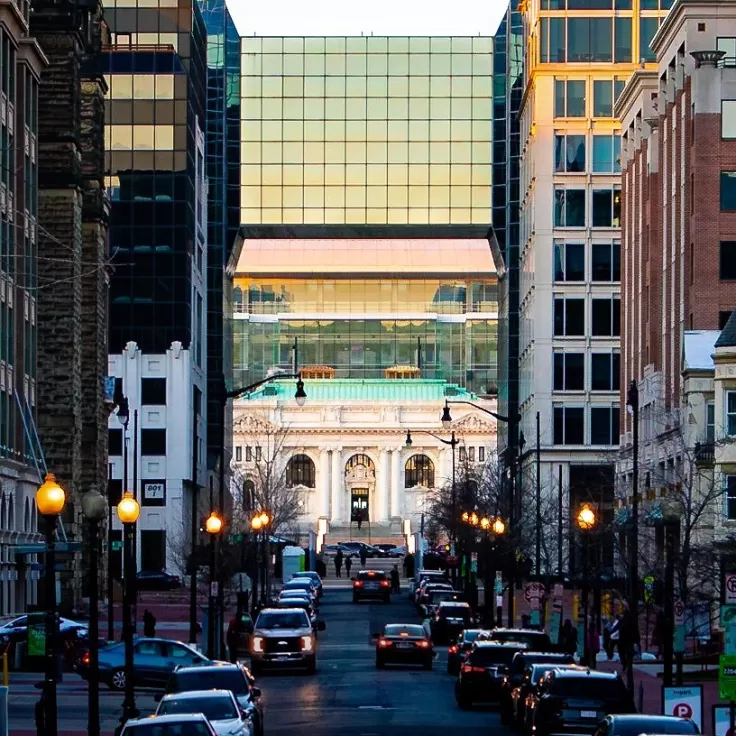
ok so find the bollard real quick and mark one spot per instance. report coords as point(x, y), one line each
point(6, 674)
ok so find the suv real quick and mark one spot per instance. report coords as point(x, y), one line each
point(450, 618)
point(371, 584)
point(283, 637)
point(483, 671)
point(220, 676)
point(535, 640)
point(356, 547)
point(575, 701)
point(195, 724)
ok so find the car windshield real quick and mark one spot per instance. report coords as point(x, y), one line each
point(594, 688)
point(540, 670)
point(274, 620)
point(398, 630)
point(302, 584)
point(213, 707)
point(437, 596)
point(214, 678)
point(490, 656)
point(653, 724)
point(151, 728)
point(469, 637)
point(455, 612)
point(540, 642)
point(371, 575)
point(295, 603)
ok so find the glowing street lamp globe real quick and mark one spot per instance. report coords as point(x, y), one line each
point(50, 497)
point(498, 526)
point(128, 509)
point(213, 525)
point(255, 523)
point(265, 519)
point(586, 517)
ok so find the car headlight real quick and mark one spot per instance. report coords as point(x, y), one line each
point(306, 643)
point(257, 643)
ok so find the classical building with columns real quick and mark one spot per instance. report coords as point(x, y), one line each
point(345, 449)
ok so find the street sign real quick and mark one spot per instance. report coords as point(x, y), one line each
point(722, 721)
point(499, 583)
point(474, 562)
point(534, 591)
point(213, 590)
point(730, 587)
point(235, 538)
point(728, 624)
point(727, 677)
point(684, 702)
point(679, 612)
point(117, 545)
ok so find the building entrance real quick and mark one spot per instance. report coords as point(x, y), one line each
point(359, 504)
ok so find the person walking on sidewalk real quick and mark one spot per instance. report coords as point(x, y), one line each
point(348, 566)
point(359, 518)
point(395, 580)
point(149, 624)
point(594, 644)
point(569, 637)
point(363, 556)
point(338, 564)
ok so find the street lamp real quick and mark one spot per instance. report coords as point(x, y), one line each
point(123, 415)
point(50, 499)
point(94, 506)
point(512, 422)
point(632, 404)
point(128, 512)
point(587, 520)
point(213, 526)
point(260, 523)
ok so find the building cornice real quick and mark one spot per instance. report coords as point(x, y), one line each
point(641, 80)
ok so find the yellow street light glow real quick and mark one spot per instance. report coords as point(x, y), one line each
point(485, 522)
point(466, 516)
point(128, 509)
point(586, 517)
point(213, 525)
point(255, 523)
point(50, 497)
point(474, 519)
point(498, 526)
point(265, 519)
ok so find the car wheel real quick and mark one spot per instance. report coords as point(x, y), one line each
point(428, 665)
point(463, 702)
point(117, 680)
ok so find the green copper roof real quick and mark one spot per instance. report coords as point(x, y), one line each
point(379, 389)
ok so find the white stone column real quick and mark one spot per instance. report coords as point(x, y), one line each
point(445, 466)
point(324, 483)
point(383, 486)
point(337, 484)
point(397, 492)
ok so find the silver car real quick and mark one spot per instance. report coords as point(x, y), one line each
point(193, 724)
point(219, 707)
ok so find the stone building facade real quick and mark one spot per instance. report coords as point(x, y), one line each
point(72, 264)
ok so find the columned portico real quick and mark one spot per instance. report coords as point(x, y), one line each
point(337, 484)
point(383, 486)
point(323, 483)
point(396, 483)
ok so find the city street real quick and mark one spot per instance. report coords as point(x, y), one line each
point(348, 693)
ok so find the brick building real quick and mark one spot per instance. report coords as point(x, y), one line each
point(678, 275)
point(72, 263)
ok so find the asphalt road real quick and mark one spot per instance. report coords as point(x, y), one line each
point(347, 695)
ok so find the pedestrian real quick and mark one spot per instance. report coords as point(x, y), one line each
point(359, 518)
point(629, 640)
point(525, 621)
point(149, 624)
point(569, 638)
point(594, 643)
point(615, 636)
point(231, 638)
point(409, 565)
point(607, 636)
point(395, 580)
point(338, 564)
point(363, 556)
point(348, 565)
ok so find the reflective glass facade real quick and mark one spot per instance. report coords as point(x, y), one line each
point(356, 130)
point(155, 165)
point(223, 191)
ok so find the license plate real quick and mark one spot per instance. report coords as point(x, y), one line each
point(588, 713)
point(372, 586)
point(404, 645)
point(282, 657)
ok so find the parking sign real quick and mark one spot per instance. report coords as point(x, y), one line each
point(684, 702)
point(730, 586)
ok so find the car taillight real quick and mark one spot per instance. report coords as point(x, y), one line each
point(452, 650)
point(471, 668)
point(384, 583)
point(383, 643)
point(85, 658)
point(358, 584)
point(423, 644)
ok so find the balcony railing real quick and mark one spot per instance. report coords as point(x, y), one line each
point(705, 454)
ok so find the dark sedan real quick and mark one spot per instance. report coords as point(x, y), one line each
point(537, 641)
point(482, 672)
point(404, 644)
point(457, 651)
point(525, 694)
point(371, 584)
point(635, 724)
point(574, 701)
point(449, 620)
point(314, 577)
point(160, 580)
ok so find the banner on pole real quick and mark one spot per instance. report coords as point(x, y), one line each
point(684, 702)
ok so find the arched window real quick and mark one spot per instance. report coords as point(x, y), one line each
point(300, 472)
point(357, 460)
point(419, 472)
point(11, 513)
point(249, 493)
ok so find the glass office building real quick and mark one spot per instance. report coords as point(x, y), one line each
point(366, 130)
point(155, 69)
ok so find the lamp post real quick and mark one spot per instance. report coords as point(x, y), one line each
point(128, 512)
point(213, 526)
point(50, 500)
point(94, 507)
point(512, 422)
point(123, 418)
point(632, 402)
point(453, 442)
point(586, 523)
point(259, 524)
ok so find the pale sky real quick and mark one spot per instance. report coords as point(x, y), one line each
point(380, 17)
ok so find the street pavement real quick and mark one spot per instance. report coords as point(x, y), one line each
point(348, 694)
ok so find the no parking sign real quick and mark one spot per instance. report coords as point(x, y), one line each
point(684, 702)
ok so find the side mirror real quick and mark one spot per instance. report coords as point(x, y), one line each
point(158, 697)
point(255, 692)
point(321, 625)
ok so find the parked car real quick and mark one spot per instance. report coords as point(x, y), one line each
point(221, 676)
point(330, 550)
point(520, 666)
point(639, 723)
point(154, 660)
point(355, 548)
point(459, 648)
point(16, 629)
point(404, 644)
point(574, 701)
point(314, 577)
point(428, 587)
point(161, 580)
point(523, 697)
point(449, 620)
point(371, 584)
point(303, 584)
point(483, 671)
point(192, 724)
point(218, 706)
point(537, 641)
point(435, 596)
point(389, 550)
point(438, 576)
